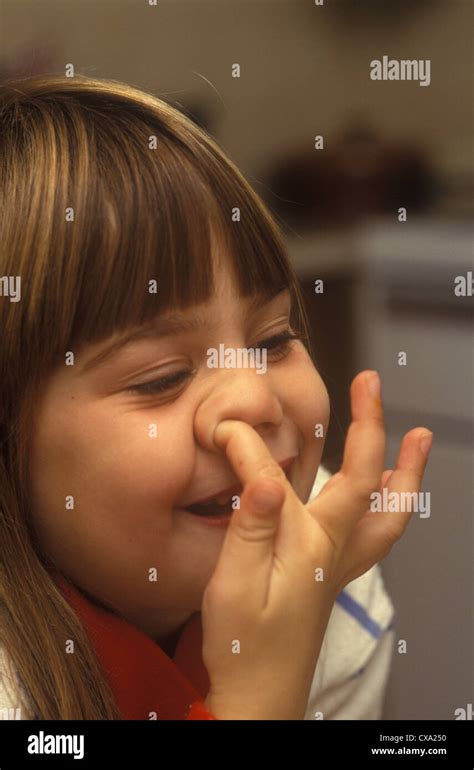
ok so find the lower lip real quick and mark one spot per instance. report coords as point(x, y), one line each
point(216, 522)
point(223, 521)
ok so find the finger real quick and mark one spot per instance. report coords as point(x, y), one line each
point(385, 477)
point(330, 484)
point(334, 480)
point(383, 485)
point(248, 454)
point(251, 461)
point(245, 562)
point(377, 531)
point(405, 482)
point(364, 449)
point(346, 497)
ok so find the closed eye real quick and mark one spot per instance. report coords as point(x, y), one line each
point(278, 344)
point(162, 384)
point(277, 347)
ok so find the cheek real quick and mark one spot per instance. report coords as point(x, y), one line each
point(138, 462)
point(307, 398)
point(124, 480)
point(122, 465)
point(316, 400)
point(309, 411)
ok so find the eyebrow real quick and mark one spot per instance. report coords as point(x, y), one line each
point(171, 326)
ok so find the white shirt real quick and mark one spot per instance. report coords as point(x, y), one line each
point(354, 662)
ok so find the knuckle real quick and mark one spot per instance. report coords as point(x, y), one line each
point(384, 548)
point(220, 595)
point(377, 417)
point(260, 532)
point(394, 532)
point(398, 529)
point(272, 470)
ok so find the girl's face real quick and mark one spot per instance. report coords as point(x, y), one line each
point(131, 458)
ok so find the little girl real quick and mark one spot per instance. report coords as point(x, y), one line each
point(165, 553)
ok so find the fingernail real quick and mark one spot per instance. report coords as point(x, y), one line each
point(373, 384)
point(425, 443)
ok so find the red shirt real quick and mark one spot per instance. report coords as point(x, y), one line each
point(144, 680)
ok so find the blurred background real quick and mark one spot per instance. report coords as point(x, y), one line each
point(388, 276)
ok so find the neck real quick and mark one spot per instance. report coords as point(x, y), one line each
point(164, 629)
point(168, 643)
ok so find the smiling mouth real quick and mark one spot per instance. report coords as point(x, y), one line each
point(212, 508)
point(223, 503)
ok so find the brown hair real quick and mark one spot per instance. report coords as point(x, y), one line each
point(103, 187)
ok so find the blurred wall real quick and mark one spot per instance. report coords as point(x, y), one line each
point(303, 68)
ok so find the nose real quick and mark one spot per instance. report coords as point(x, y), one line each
point(239, 394)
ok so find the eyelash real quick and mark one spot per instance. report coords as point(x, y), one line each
point(279, 343)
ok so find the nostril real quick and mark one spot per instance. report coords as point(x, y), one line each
point(221, 434)
point(204, 435)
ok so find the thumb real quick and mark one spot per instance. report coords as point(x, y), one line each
point(247, 551)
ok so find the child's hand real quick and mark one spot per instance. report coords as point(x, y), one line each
point(265, 611)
